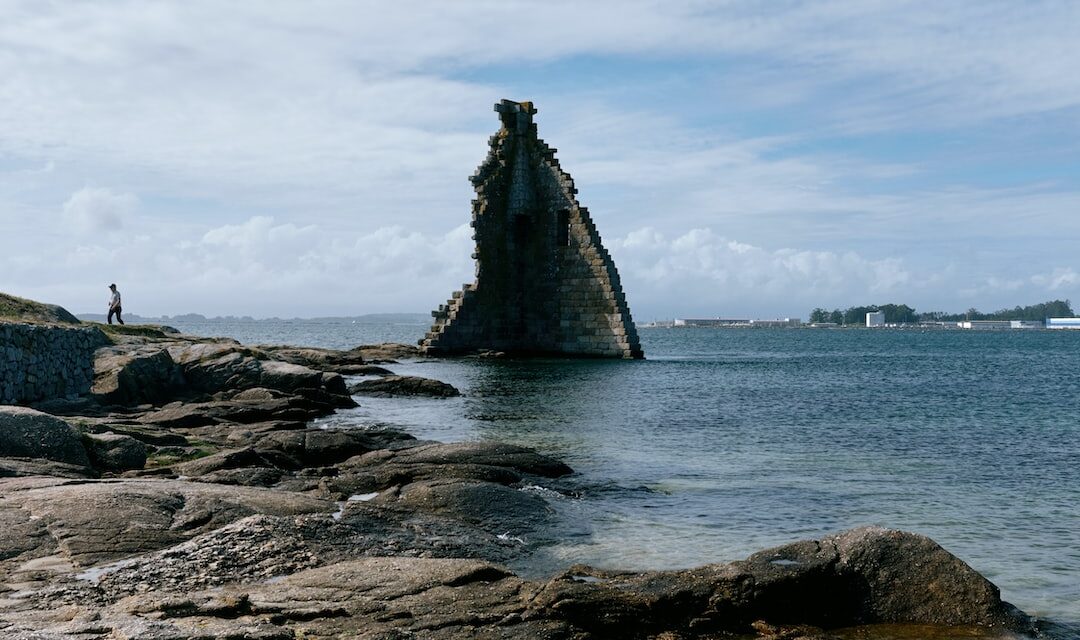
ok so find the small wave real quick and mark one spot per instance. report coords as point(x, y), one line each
point(506, 537)
point(543, 491)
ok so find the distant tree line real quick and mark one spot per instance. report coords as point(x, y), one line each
point(901, 314)
point(1041, 311)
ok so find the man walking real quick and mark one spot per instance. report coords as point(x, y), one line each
point(114, 305)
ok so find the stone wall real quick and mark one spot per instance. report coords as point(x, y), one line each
point(41, 362)
point(544, 282)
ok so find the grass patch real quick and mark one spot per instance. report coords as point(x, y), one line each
point(166, 456)
point(23, 310)
point(144, 330)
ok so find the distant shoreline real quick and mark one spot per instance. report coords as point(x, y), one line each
point(369, 318)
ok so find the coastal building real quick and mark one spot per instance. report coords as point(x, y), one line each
point(777, 322)
point(985, 324)
point(710, 322)
point(1063, 323)
point(1026, 324)
point(658, 324)
point(737, 322)
point(875, 319)
point(544, 282)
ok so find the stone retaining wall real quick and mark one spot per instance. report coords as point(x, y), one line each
point(41, 362)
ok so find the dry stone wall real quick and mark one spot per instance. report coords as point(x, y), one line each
point(41, 362)
point(544, 282)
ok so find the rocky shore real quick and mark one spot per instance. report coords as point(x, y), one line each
point(189, 496)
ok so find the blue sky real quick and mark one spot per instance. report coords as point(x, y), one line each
point(739, 158)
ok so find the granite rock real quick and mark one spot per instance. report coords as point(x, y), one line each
point(392, 385)
point(28, 433)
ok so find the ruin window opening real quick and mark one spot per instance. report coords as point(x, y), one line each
point(521, 230)
point(562, 227)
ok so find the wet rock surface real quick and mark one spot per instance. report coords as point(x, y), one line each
point(391, 385)
point(190, 497)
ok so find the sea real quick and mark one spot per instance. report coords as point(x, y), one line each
point(723, 442)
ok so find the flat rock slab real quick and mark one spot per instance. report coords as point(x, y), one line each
point(494, 454)
point(387, 352)
point(99, 521)
point(344, 362)
point(263, 548)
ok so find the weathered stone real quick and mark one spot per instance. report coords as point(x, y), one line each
point(345, 362)
point(363, 370)
point(243, 411)
point(143, 375)
point(15, 467)
point(210, 367)
point(364, 480)
point(541, 271)
point(491, 506)
point(189, 586)
point(286, 376)
point(222, 460)
point(493, 454)
point(26, 433)
point(387, 352)
point(316, 447)
point(908, 577)
point(864, 576)
point(101, 521)
point(115, 452)
point(392, 385)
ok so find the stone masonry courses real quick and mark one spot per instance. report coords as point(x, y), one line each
point(41, 362)
point(544, 282)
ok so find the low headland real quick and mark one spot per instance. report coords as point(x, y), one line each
point(197, 488)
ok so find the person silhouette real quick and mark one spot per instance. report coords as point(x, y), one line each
point(114, 304)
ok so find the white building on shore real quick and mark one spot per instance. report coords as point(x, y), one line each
point(736, 322)
point(875, 319)
point(1027, 324)
point(710, 322)
point(1063, 323)
point(1000, 324)
point(777, 322)
point(985, 324)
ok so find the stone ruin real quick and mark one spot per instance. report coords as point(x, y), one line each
point(544, 282)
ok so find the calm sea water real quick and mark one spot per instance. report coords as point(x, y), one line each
point(727, 441)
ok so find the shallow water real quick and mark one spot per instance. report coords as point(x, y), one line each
point(727, 441)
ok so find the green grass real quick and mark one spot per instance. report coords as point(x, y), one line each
point(195, 450)
point(23, 310)
point(145, 330)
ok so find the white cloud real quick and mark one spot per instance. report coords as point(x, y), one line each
point(702, 272)
point(348, 130)
point(263, 268)
point(97, 209)
point(1061, 279)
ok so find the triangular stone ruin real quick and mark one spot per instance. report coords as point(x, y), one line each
point(544, 283)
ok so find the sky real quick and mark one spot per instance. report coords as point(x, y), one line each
point(740, 159)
